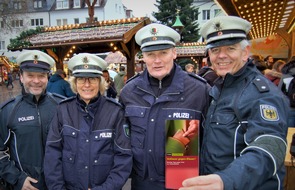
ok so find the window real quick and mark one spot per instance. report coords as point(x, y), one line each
point(76, 20)
point(65, 21)
point(2, 45)
point(37, 4)
point(206, 14)
point(62, 4)
point(60, 22)
point(17, 5)
point(77, 3)
point(17, 23)
point(195, 15)
point(37, 22)
point(96, 4)
point(94, 19)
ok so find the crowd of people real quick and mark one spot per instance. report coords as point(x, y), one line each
point(93, 132)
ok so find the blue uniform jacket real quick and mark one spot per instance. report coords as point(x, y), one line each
point(245, 132)
point(88, 146)
point(185, 98)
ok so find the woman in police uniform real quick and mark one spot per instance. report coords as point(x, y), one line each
point(88, 145)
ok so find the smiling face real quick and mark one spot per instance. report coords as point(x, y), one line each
point(34, 82)
point(87, 88)
point(159, 63)
point(228, 59)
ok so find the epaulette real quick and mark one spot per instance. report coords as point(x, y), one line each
point(197, 77)
point(113, 101)
point(68, 99)
point(135, 76)
point(57, 95)
point(15, 99)
point(261, 84)
point(6, 102)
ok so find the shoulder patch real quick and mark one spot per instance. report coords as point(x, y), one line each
point(197, 77)
point(269, 113)
point(261, 85)
point(135, 76)
point(126, 129)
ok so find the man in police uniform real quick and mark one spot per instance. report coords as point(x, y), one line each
point(244, 141)
point(24, 123)
point(162, 92)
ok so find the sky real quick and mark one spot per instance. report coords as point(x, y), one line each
point(141, 8)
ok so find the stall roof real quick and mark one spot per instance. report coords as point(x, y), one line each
point(101, 36)
point(61, 42)
point(266, 16)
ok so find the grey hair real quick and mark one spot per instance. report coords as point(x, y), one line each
point(244, 43)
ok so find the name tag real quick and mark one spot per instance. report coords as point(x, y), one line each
point(28, 118)
point(181, 115)
point(105, 135)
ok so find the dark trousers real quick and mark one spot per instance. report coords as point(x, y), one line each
point(9, 83)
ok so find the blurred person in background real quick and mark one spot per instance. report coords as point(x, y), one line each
point(258, 62)
point(208, 73)
point(109, 85)
point(119, 80)
point(190, 68)
point(275, 74)
point(269, 61)
point(57, 84)
point(288, 74)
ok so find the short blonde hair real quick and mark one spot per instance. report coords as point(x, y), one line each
point(101, 84)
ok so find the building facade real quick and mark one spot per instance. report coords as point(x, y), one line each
point(19, 16)
point(208, 9)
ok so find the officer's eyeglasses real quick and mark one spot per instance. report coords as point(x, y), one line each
point(91, 80)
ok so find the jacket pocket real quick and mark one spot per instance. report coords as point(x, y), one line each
point(136, 116)
point(69, 136)
point(68, 165)
point(102, 166)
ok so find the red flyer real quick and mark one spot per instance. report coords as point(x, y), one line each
point(182, 152)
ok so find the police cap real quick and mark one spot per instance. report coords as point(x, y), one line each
point(35, 61)
point(86, 65)
point(155, 37)
point(225, 30)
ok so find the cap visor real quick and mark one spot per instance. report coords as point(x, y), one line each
point(156, 47)
point(225, 42)
point(38, 70)
point(84, 74)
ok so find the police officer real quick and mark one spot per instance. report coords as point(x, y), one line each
point(24, 123)
point(244, 141)
point(162, 92)
point(88, 145)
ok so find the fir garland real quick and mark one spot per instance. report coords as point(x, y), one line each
point(22, 41)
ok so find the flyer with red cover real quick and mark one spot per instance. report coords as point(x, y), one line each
point(182, 152)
